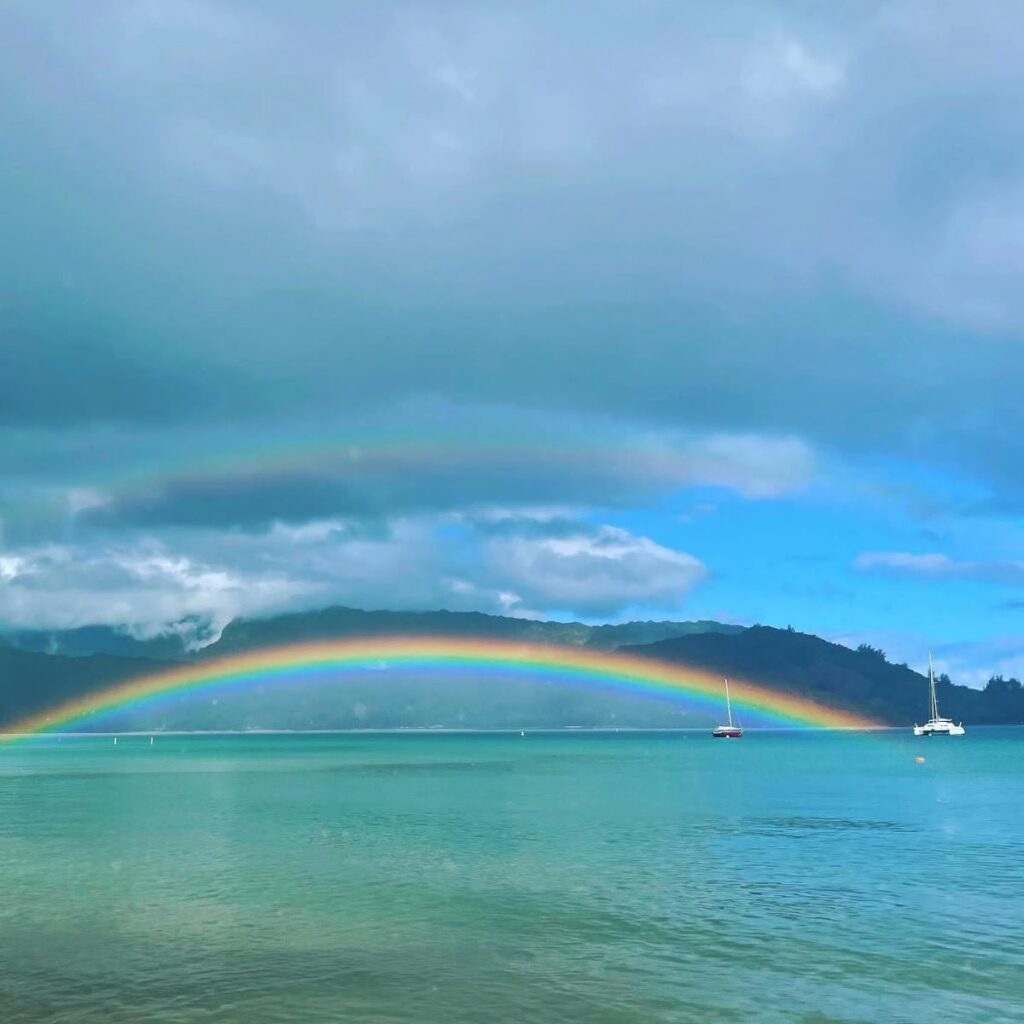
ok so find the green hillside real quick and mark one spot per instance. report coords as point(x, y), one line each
point(857, 680)
point(862, 680)
point(338, 622)
point(31, 682)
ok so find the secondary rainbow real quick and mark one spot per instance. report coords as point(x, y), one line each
point(362, 455)
point(488, 658)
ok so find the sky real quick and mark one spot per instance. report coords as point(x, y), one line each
point(572, 310)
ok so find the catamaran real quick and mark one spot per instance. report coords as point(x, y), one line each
point(730, 731)
point(936, 726)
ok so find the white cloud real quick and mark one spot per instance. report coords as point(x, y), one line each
point(11, 566)
point(939, 566)
point(506, 602)
point(970, 663)
point(85, 499)
point(781, 79)
point(903, 561)
point(753, 465)
point(594, 572)
point(530, 567)
point(141, 587)
point(315, 531)
point(811, 71)
point(975, 663)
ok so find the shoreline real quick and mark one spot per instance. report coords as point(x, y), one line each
point(431, 731)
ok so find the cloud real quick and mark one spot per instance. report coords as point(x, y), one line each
point(406, 459)
point(248, 250)
point(143, 587)
point(207, 577)
point(744, 229)
point(937, 566)
point(970, 663)
point(755, 466)
point(974, 663)
point(594, 573)
point(11, 566)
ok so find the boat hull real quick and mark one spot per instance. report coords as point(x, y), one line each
point(939, 729)
point(725, 732)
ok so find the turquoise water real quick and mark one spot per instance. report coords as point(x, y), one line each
point(585, 878)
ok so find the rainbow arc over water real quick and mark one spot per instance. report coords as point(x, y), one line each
point(490, 660)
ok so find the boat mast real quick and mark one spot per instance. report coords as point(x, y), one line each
point(728, 703)
point(931, 684)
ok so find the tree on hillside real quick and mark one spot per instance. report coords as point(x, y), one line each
point(997, 684)
point(1005, 698)
point(874, 652)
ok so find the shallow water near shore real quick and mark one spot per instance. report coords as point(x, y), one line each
point(600, 878)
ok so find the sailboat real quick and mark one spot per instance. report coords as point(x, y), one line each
point(730, 731)
point(936, 726)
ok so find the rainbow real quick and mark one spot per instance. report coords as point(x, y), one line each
point(288, 664)
point(364, 454)
point(365, 450)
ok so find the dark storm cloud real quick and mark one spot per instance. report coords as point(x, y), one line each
point(286, 497)
point(756, 218)
point(377, 482)
point(414, 458)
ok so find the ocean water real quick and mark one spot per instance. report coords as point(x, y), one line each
point(606, 879)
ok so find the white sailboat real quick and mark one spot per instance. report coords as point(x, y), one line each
point(730, 731)
point(936, 726)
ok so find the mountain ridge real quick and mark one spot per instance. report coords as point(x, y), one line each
point(339, 621)
point(862, 681)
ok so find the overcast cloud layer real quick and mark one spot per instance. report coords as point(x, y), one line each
point(555, 309)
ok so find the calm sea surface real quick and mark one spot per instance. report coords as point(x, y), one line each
point(586, 878)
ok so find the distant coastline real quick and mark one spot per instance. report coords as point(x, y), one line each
point(34, 679)
point(421, 731)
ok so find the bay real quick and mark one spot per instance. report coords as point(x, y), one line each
point(571, 877)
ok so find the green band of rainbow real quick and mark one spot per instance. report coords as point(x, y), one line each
point(488, 657)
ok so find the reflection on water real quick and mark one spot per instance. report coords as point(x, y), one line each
point(619, 878)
